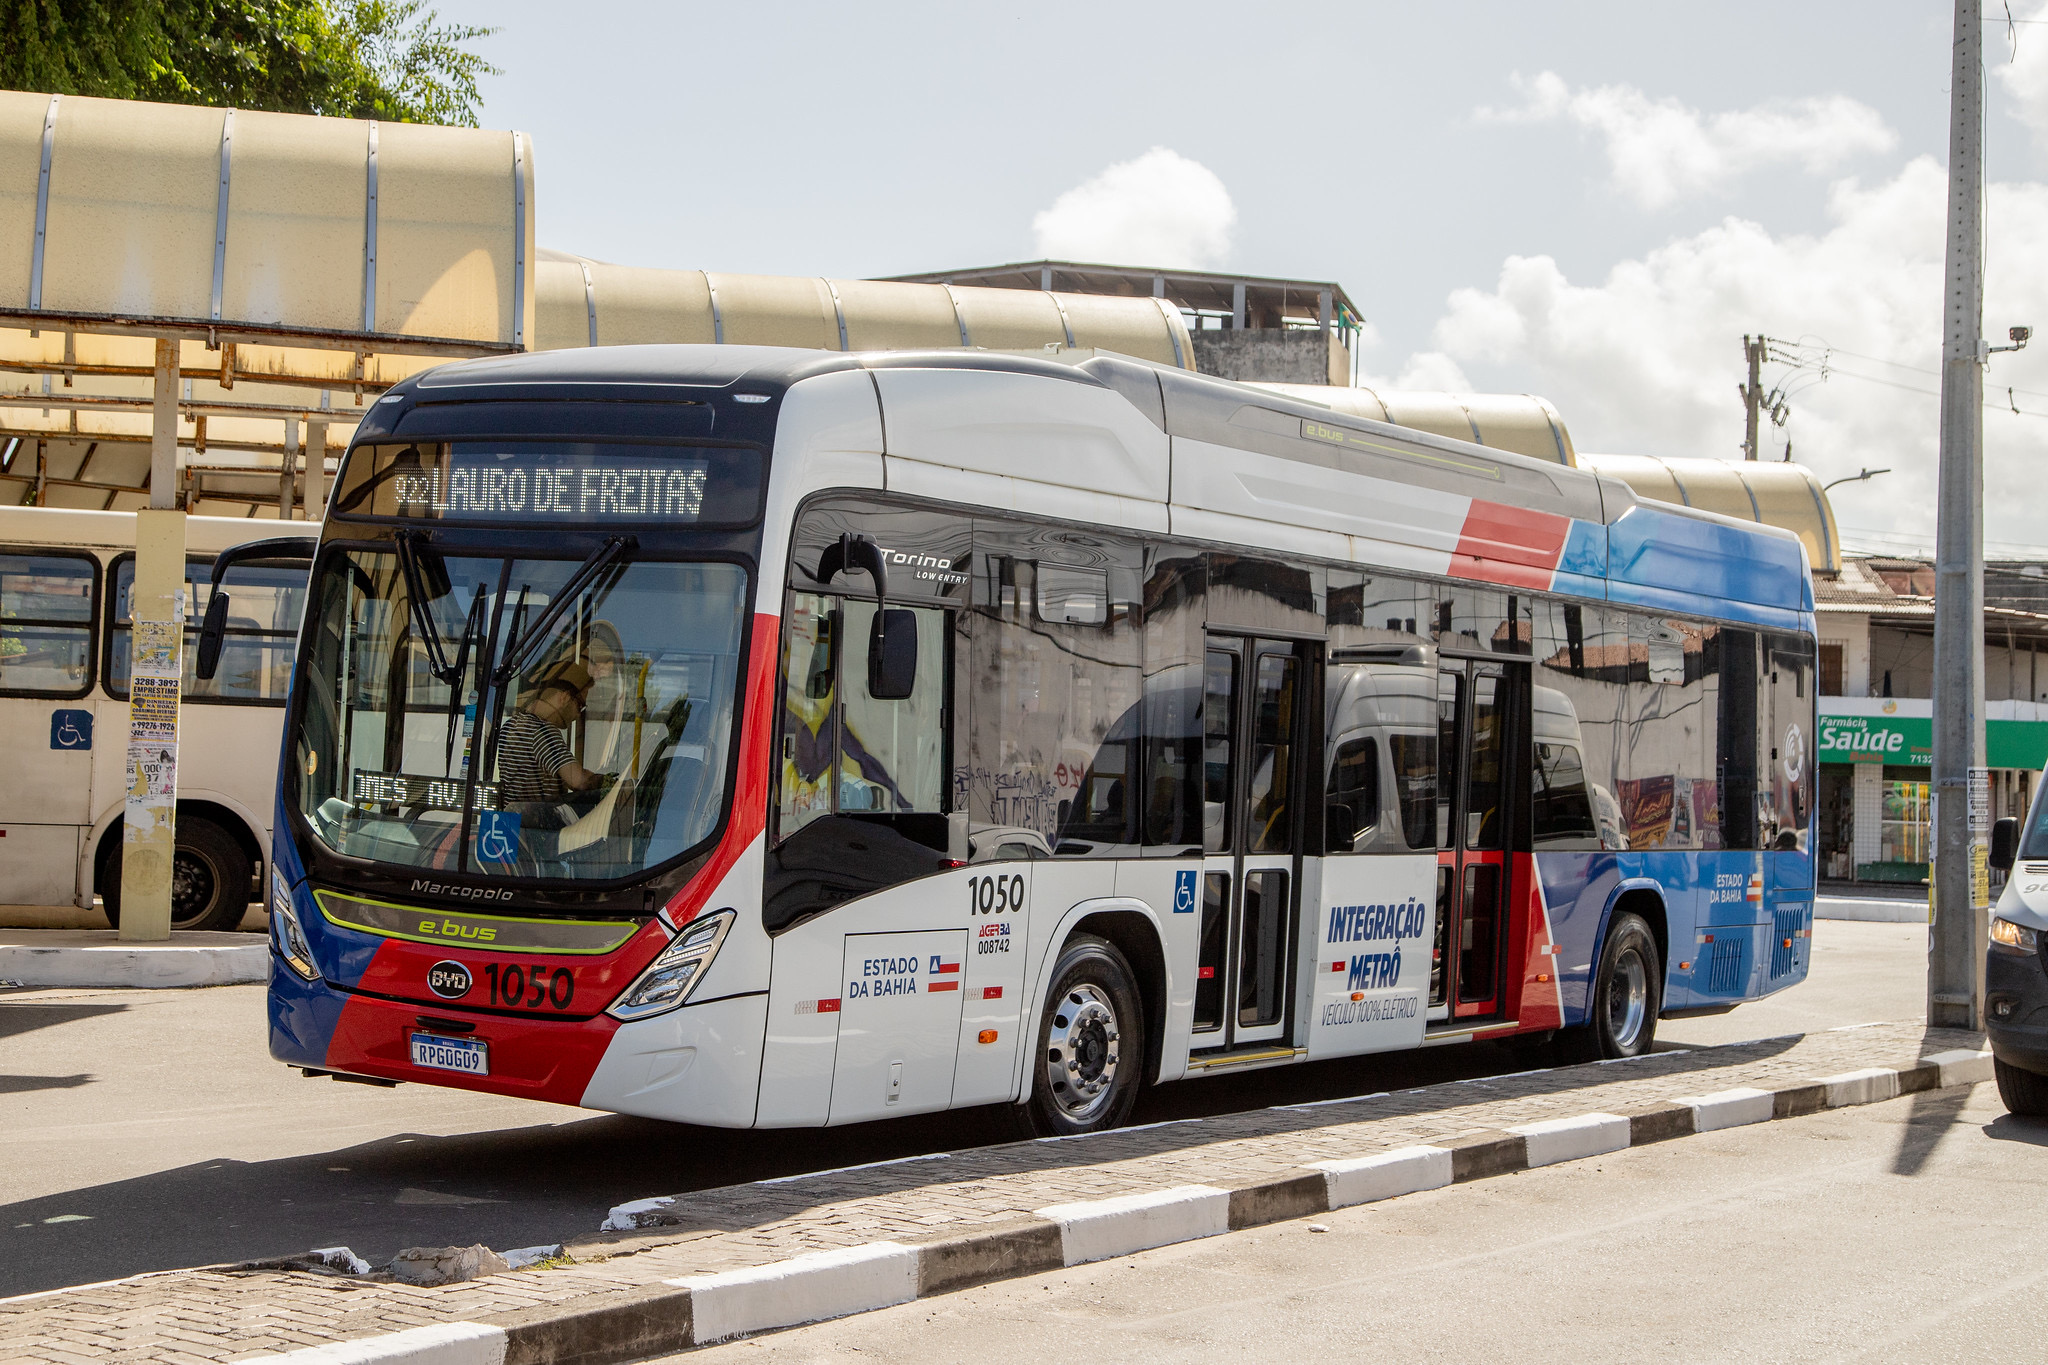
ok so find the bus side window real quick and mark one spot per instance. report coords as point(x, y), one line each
point(46, 614)
point(1563, 807)
point(1353, 804)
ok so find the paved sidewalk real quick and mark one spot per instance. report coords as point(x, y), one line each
point(222, 1315)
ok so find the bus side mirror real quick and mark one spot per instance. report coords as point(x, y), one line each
point(2005, 842)
point(892, 654)
point(212, 635)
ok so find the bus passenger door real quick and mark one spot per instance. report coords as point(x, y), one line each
point(1253, 729)
point(1472, 822)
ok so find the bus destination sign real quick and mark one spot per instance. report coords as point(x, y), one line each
point(584, 491)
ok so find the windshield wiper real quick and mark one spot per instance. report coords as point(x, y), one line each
point(416, 596)
point(476, 610)
point(528, 644)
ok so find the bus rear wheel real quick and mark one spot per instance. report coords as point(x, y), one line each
point(1091, 1044)
point(209, 878)
point(1627, 993)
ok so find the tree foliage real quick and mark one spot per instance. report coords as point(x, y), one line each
point(381, 59)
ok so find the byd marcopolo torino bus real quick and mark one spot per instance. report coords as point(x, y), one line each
point(758, 737)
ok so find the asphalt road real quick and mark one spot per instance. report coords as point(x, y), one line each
point(1894, 1232)
point(150, 1130)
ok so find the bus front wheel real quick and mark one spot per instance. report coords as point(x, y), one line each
point(1627, 993)
point(209, 878)
point(1091, 1044)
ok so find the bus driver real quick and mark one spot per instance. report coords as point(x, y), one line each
point(534, 760)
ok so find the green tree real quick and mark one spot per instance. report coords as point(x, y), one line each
point(383, 59)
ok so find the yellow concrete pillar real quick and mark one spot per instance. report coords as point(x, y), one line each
point(156, 660)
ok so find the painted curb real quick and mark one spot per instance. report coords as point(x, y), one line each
point(146, 966)
point(444, 1343)
point(697, 1310)
point(1553, 1140)
point(1385, 1175)
point(808, 1288)
point(1728, 1109)
point(1102, 1228)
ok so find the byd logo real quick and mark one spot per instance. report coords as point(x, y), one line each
point(449, 980)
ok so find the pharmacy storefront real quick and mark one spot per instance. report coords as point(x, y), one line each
point(1877, 755)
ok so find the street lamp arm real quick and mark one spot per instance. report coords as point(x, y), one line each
point(1854, 478)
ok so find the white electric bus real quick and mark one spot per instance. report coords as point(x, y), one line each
point(759, 737)
point(65, 583)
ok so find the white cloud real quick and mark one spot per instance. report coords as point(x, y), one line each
point(2022, 68)
point(1659, 150)
point(1647, 360)
point(1157, 209)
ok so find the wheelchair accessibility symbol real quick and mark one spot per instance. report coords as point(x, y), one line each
point(497, 836)
point(1184, 893)
point(70, 729)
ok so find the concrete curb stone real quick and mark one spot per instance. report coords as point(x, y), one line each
point(148, 966)
point(697, 1310)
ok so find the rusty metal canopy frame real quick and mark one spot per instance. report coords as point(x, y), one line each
point(325, 259)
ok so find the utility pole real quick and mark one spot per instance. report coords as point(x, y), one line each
point(1955, 959)
point(1752, 392)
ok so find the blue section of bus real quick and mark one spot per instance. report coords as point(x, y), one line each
point(1585, 555)
point(1681, 563)
point(303, 1014)
point(1703, 894)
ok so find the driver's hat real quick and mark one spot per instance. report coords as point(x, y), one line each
point(573, 676)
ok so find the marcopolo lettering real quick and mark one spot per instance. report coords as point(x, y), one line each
point(1369, 923)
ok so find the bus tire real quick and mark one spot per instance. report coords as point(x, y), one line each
point(2022, 1092)
point(209, 878)
point(1090, 1055)
point(1627, 993)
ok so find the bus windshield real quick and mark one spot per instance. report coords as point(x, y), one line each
point(517, 717)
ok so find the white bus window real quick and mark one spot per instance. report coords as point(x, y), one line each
point(46, 613)
point(266, 601)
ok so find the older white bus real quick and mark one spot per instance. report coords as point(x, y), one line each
point(65, 579)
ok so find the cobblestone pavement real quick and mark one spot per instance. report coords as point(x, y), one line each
point(222, 1315)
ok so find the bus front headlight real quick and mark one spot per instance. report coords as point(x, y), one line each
point(2013, 935)
point(285, 934)
point(670, 978)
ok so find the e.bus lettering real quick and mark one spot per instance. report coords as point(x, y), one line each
point(994, 895)
point(449, 928)
point(510, 985)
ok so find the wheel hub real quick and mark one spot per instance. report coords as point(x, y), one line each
point(1628, 999)
point(1081, 1052)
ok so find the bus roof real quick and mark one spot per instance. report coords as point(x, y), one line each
point(1489, 515)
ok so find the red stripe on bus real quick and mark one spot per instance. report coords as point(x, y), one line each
point(991, 992)
point(942, 985)
point(1509, 545)
point(750, 784)
point(944, 967)
point(828, 1007)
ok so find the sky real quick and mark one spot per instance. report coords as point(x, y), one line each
point(1589, 201)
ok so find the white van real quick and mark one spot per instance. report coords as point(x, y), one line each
point(65, 585)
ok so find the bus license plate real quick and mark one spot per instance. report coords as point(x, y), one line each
point(471, 1056)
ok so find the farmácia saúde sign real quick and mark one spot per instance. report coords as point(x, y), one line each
point(1876, 739)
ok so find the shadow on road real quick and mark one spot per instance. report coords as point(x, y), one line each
point(551, 1182)
point(2010, 1128)
point(26, 1016)
point(1932, 1116)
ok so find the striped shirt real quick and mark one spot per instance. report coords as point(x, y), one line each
point(531, 756)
